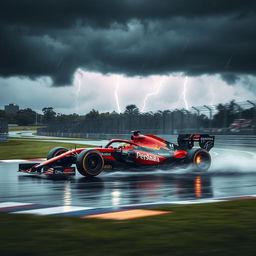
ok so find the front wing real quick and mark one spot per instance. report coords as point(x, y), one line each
point(31, 168)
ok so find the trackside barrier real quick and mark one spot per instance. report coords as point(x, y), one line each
point(3, 137)
point(220, 140)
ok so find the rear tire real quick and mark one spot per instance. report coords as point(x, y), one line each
point(90, 163)
point(199, 159)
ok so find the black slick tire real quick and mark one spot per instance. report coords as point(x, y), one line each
point(90, 163)
point(56, 152)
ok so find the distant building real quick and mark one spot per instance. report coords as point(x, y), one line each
point(11, 108)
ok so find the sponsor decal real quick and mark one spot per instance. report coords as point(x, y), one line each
point(106, 154)
point(145, 156)
point(206, 139)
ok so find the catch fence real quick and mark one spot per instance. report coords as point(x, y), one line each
point(232, 118)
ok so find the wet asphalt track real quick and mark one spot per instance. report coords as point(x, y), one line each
point(233, 174)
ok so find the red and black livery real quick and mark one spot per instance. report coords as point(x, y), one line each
point(142, 151)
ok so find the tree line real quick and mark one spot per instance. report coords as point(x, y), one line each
point(223, 116)
point(166, 121)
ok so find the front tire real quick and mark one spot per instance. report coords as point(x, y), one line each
point(199, 159)
point(56, 152)
point(90, 163)
point(66, 161)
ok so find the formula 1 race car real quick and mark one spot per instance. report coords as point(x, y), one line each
point(142, 151)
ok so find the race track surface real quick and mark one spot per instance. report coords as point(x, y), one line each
point(233, 173)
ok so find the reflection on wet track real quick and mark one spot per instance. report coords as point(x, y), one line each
point(122, 188)
point(106, 190)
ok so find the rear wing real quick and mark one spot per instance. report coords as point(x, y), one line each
point(187, 141)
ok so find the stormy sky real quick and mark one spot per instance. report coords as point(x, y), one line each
point(141, 44)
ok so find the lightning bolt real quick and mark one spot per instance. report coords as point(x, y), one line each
point(158, 88)
point(78, 79)
point(184, 93)
point(116, 94)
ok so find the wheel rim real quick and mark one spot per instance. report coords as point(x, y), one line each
point(202, 160)
point(199, 159)
point(93, 163)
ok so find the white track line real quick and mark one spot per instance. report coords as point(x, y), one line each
point(55, 210)
point(196, 201)
point(67, 209)
point(21, 160)
point(13, 204)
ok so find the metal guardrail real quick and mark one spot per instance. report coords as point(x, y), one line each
point(236, 140)
point(220, 140)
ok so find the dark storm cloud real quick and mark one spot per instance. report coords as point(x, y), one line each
point(54, 38)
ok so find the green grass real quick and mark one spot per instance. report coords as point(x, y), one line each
point(24, 128)
point(226, 228)
point(18, 148)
